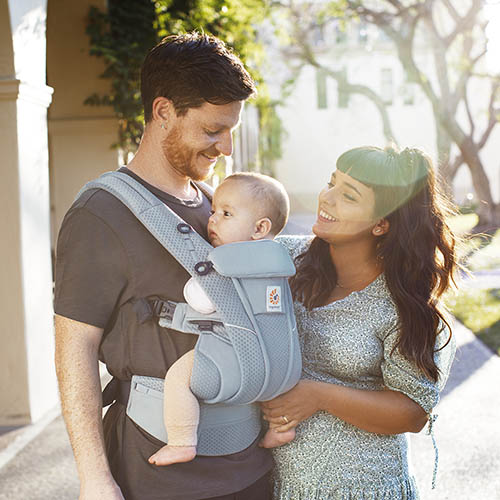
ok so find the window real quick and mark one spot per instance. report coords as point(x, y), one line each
point(362, 34)
point(386, 84)
point(408, 93)
point(321, 91)
point(343, 96)
point(318, 36)
point(340, 35)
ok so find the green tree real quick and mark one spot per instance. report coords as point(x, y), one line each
point(455, 35)
point(122, 35)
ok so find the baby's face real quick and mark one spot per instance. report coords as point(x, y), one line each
point(234, 214)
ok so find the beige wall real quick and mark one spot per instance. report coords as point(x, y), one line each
point(79, 136)
point(6, 51)
point(79, 151)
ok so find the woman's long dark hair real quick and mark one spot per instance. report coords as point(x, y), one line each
point(418, 254)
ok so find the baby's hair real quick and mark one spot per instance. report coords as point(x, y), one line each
point(270, 195)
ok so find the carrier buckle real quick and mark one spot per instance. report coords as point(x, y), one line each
point(164, 309)
point(206, 325)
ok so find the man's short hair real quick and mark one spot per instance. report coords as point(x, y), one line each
point(270, 196)
point(192, 69)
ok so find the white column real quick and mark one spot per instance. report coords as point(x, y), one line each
point(27, 377)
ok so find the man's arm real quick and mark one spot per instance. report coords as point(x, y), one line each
point(76, 357)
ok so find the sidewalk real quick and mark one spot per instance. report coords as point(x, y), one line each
point(467, 433)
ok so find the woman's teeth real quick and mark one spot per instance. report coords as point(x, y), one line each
point(327, 216)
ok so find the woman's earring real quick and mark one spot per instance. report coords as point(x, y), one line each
point(162, 125)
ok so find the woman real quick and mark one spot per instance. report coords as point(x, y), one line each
point(376, 348)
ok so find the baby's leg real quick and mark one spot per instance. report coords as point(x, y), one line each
point(181, 413)
point(273, 439)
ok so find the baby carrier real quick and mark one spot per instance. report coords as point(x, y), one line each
point(247, 351)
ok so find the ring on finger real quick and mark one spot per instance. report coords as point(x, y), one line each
point(283, 417)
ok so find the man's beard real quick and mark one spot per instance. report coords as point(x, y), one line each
point(183, 159)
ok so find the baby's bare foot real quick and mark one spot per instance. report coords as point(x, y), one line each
point(273, 439)
point(173, 455)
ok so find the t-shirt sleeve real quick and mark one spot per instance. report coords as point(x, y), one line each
point(91, 269)
point(404, 376)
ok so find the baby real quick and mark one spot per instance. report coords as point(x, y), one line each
point(245, 207)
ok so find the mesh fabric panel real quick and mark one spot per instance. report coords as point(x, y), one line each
point(151, 382)
point(221, 441)
point(207, 380)
point(277, 341)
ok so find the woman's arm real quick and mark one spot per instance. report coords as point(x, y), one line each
point(381, 412)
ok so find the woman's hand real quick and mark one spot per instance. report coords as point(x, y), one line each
point(286, 411)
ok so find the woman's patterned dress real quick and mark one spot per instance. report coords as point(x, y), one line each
point(349, 342)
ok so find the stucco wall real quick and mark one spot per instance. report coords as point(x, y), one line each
point(79, 136)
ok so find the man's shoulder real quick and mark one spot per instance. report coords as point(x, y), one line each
point(101, 204)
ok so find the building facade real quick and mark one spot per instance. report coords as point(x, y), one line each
point(321, 122)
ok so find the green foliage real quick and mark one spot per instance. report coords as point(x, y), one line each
point(479, 310)
point(271, 133)
point(123, 35)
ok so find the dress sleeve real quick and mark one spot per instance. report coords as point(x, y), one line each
point(404, 376)
point(294, 244)
point(91, 269)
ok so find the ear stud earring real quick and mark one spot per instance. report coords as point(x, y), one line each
point(162, 125)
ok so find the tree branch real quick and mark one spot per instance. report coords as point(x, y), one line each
point(452, 11)
point(494, 116)
point(439, 54)
point(455, 165)
point(469, 116)
point(467, 73)
point(397, 4)
point(465, 22)
point(307, 55)
point(381, 19)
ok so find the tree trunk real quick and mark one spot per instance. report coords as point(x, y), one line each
point(443, 144)
point(487, 210)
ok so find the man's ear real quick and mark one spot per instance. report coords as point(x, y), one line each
point(162, 111)
point(381, 227)
point(262, 228)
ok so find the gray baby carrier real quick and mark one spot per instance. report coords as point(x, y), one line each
point(247, 351)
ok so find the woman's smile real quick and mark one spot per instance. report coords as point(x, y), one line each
point(326, 216)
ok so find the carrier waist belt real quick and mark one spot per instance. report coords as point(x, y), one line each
point(223, 428)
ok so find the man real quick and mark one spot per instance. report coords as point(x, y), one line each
point(193, 89)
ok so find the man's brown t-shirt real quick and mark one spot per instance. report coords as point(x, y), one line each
point(106, 261)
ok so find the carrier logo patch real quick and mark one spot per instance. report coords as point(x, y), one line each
point(273, 300)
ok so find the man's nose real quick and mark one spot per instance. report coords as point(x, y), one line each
point(225, 143)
